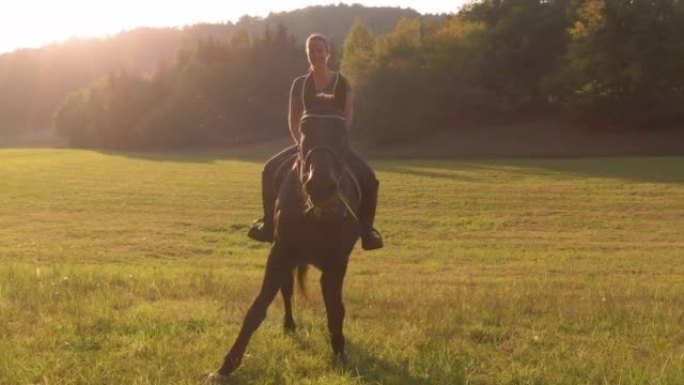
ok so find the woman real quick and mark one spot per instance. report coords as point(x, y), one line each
point(325, 80)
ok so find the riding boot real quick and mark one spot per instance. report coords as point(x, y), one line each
point(370, 238)
point(262, 229)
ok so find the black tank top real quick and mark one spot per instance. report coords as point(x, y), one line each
point(322, 101)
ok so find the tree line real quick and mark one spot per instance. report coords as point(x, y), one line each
point(35, 81)
point(214, 93)
point(602, 63)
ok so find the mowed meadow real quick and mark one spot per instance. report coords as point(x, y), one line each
point(124, 268)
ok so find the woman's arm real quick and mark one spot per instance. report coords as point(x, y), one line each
point(295, 113)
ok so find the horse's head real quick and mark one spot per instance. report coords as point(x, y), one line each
point(323, 146)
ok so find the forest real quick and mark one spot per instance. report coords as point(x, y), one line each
point(604, 64)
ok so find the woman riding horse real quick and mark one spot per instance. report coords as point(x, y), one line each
point(314, 220)
point(325, 83)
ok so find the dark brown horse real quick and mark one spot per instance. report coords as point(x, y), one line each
point(315, 223)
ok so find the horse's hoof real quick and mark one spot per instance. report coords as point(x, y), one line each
point(216, 379)
point(340, 359)
point(290, 328)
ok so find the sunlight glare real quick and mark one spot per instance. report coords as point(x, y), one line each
point(32, 23)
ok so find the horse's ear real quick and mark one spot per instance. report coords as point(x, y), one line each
point(308, 92)
point(340, 92)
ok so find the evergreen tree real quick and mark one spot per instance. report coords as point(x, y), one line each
point(358, 55)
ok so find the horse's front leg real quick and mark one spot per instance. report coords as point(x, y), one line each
point(286, 289)
point(278, 268)
point(331, 285)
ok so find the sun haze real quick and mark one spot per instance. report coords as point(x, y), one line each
point(33, 23)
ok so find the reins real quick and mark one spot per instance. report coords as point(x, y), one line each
point(339, 160)
point(346, 203)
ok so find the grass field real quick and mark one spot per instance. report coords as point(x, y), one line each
point(135, 269)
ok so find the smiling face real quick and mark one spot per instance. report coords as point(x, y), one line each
point(317, 52)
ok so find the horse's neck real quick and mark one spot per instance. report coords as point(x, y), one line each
point(290, 190)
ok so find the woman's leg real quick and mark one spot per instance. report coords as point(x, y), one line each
point(262, 229)
point(370, 238)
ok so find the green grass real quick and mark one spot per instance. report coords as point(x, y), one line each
point(135, 269)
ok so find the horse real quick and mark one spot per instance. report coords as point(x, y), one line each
point(315, 224)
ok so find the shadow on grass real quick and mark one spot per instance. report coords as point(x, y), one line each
point(638, 169)
point(366, 367)
point(649, 169)
point(375, 370)
point(199, 156)
point(426, 170)
point(257, 153)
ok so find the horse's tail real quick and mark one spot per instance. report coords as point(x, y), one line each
point(302, 270)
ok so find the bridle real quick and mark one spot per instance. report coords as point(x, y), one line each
point(305, 158)
point(340, 167)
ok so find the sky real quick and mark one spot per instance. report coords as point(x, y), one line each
point(33, 23)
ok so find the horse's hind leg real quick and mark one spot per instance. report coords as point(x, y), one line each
point(286, 289)
point(277, 268)
point(331, 284)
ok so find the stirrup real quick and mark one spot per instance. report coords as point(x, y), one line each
point(371, 240)
point(259, 231)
